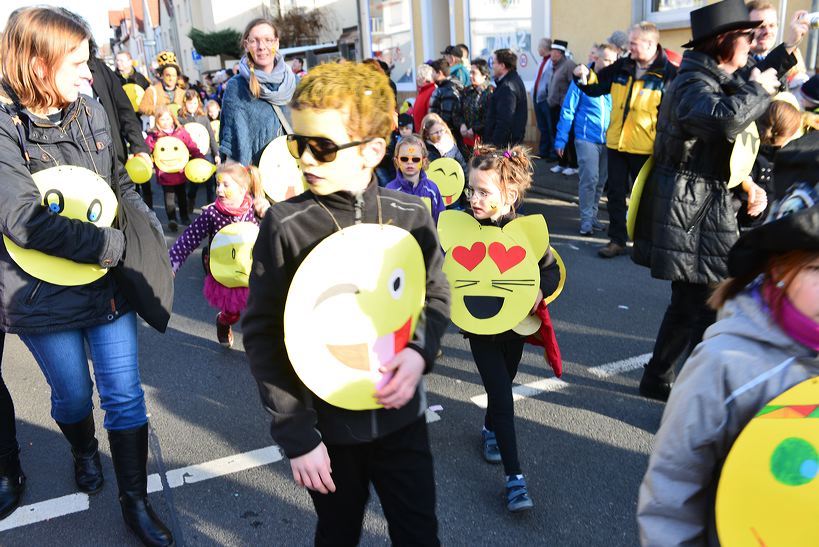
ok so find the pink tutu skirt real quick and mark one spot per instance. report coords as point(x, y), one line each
point(224, 298)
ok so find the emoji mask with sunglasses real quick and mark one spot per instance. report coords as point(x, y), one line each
point(493, 272)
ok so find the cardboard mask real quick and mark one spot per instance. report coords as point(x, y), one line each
point(353, 304)
point(493, 272)
point(72, 192)
point(448, 175)
point(199, 135)
point(743, 155)
point(170, 154)
point(637, 195)
point(215, 126)
point(135, 94)
point(199, 170)
point(231, 253)
point(769, 490)
point(281, 176)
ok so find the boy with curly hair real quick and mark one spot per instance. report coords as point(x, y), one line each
point(342, 116)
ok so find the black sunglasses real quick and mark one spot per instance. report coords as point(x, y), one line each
point(406, 159)
point(323, 149)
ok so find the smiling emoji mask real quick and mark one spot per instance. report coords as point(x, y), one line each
point(448, 175)
point(231, 253)
point(768, 491)
point(281, 176)
point(352, 306)
point(72, 192)
point(170, 154)
point(493, 272)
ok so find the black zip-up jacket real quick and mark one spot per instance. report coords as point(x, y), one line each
point(686, 222)
point(507, 112)
point(82, 138)
point(446, 102)
point(549, 278)
point(135, 77)
point(126, 128)
point(289, 231)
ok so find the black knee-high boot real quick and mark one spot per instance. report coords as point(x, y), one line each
point(84, 448)
point(129, 450)
point(12, 482)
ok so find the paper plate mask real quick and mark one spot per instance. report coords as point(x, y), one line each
point(448, 175)
point(281, 177)
point(170, 154)
point(199, 135)
point(231, 253)
point(215, 125)
point(531, 323)
point(199, 170)
point(493, 272)
point(135, 94)
point(353, 304)
point(743, 155)
point(173, 107)
point(768, 490)
point(139, 169)
point(73, 192)
point(636, 195)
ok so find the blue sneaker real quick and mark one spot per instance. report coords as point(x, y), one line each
point(491, 452)
point(517, 495)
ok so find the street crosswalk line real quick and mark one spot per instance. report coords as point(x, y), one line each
point(610, 369)
point(45, 510)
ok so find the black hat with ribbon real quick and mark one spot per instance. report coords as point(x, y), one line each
point(715, 19)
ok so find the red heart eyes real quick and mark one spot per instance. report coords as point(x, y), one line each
point(469, 258)
point(504, 258)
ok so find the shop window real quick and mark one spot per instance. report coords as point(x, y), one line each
point(391, 32)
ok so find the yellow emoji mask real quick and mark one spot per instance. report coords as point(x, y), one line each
point(135, 93)
point(493, 272)
point(199, 135)
point(199, 170)
point(170, 154)
point(281, 176)
point(231, 253)
point(352, 306)
point(769, 490)
point(139, 169)
point(448, 175)
point(73, 192)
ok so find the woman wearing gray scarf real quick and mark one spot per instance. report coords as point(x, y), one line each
point(249, 121)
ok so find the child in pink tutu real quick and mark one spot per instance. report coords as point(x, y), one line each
point(239, 198)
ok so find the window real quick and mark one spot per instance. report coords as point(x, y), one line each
point(391, 34)
point(497, 24)
point(670, 13)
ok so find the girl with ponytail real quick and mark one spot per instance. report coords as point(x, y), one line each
point(239, 198)
point(253, 101)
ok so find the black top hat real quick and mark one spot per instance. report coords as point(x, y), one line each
point(560, 45)
point(715, 19)
point(793, 222)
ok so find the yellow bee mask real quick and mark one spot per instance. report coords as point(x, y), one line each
point(493, 272)
point(353, 304)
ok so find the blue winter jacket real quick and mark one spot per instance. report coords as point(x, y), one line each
point(591, 117)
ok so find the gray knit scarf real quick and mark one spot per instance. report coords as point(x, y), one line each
point(281, 76)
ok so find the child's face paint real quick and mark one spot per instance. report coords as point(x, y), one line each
point(410, 160)
point(485, 195)
point(228, 191)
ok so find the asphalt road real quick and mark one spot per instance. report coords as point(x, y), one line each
point(583, 441)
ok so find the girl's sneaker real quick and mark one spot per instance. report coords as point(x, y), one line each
point(517, 495)
point(223, 332)
point(489, 443)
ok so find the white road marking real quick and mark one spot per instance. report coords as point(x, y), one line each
point(610, 369)
point(45, 510)
point(432, 416)
point(532, 389)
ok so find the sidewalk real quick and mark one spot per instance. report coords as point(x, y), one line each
point(556, 186)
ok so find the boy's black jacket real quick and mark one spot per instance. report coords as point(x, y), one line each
point(289, 231)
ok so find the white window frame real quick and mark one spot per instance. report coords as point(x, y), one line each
point(676, 18)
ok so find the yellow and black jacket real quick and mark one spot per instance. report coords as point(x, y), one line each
point(635, 103)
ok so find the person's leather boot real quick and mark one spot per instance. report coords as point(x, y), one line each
point(611, 250)
point(654, 386)
point(84, 448)
point(12, 482)
point(129, 452)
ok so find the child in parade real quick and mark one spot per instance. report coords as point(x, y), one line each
point(192, 111)
point(410, 161)
point(498, 180)
point(214, 112)
point(342, 116)
point(440, 140)
point(406, 126)
point(173, 184)
point(765, 342)
point(239, 198)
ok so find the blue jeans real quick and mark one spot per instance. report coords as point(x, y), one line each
point(547, 131)
point(63, 360)
point(592, 162)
